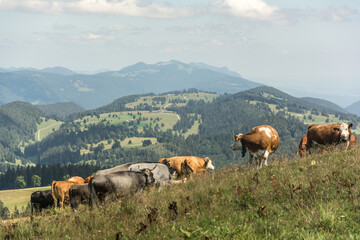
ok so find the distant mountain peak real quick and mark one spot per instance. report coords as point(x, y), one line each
point(59, 70)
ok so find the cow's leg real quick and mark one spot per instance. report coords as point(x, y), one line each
point(251, 159)
point(266, 155)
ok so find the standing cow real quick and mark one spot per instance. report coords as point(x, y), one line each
point(118, 183)
point(329, 135)
point(261, 141)
point(40, 200)
point(79, 194)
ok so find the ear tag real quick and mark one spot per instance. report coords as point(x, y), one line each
point(236, 138)
point(241, 150)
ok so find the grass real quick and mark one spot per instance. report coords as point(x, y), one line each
point(19, 197)
point(311, 198)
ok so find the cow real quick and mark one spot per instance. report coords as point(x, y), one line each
point(118, 183)
point(40, 200)
point(302, 146)
point(76, 179)
point(79, 194)
point(196, 164)
point(329, 135)
point(87, 180)
point(352, 141)
point(261, 141)
point(161, 171)
point(60, 192)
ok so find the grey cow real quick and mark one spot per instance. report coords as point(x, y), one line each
point(118, 183)
point(79, 194)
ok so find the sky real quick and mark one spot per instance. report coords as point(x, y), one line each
point(303, 47)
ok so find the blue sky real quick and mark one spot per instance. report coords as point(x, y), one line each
point(304, 47)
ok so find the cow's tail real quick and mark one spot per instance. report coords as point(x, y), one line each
point(53, 193)
point(93, 196)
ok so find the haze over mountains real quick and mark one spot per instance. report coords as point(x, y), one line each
point(58, 84)
point(91, 91)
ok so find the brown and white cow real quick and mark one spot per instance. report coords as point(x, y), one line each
point(195, 164)
point(302, 146)
point(261, 141)
point(329, 135)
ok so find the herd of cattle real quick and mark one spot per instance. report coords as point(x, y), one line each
point(123, 179)
point(261, 141)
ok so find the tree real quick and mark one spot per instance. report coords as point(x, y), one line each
point(116, 144)
point(146, 142)
point(20, 182)
point(36, 181)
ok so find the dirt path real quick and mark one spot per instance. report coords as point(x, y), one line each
point(38, 133)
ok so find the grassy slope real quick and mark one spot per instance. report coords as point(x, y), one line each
point(18, 197)
point(312, 198)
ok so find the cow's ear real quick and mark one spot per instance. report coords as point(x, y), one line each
point(235, 137)
point(351, 125)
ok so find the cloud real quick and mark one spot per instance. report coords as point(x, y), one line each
point(124, 7)
point(253, 9)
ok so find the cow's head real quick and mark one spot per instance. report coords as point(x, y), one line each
point(208, 163)
point(149, 176)
point(237, 144)
point(344, 131)
point(171, 170)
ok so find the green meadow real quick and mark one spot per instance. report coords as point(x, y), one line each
point(18, 197)
point(311, 198)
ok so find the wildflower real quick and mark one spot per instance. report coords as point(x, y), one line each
point(313, 163)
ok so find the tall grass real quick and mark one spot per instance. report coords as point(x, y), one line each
point(312, 198)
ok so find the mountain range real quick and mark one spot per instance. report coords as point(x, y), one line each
point(90, 91)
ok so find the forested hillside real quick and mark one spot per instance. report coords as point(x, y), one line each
point(17, 124)
point(148, 127)
point(60, 110)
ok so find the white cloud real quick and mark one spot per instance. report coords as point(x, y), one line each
point(254, 9)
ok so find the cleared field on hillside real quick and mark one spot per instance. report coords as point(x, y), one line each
point(165, 119)
point(171, 99)
point(126, 143)
point(46, 127)
point(18, 197)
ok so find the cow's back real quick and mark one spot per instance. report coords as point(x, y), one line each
point(175, 163)
point(322, 134)
point(262, 137)
point(76, 179)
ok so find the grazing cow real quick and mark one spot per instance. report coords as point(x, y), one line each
point(76, 180)
point(329, 135)
point(40, 200)
point(79, 194)
point(118, 183)
point(302, 147)
point(60, 192)
point(195, 164)
point(87, 180)
point(261, 141)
